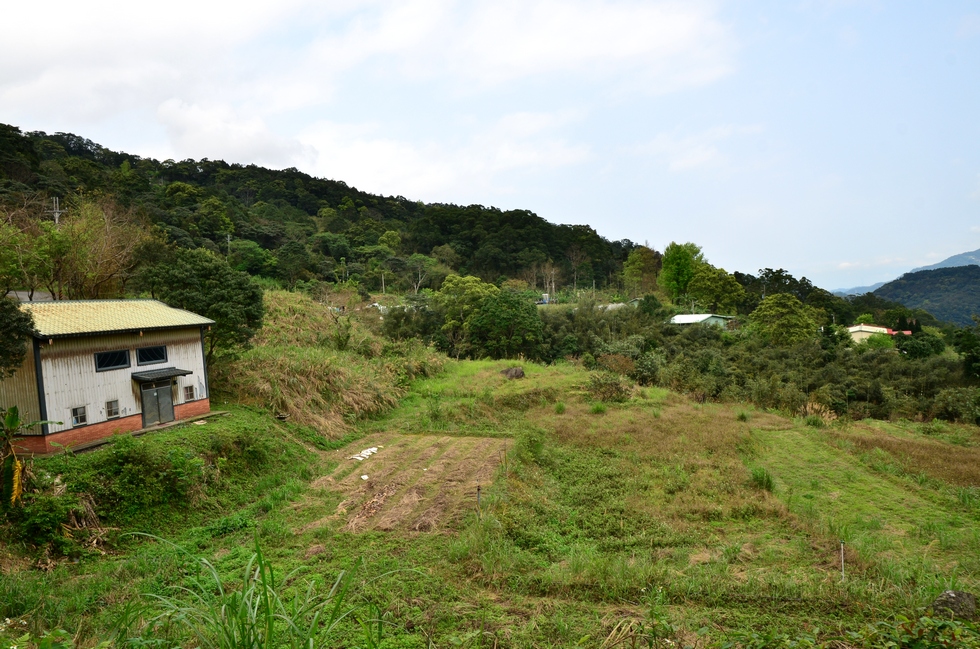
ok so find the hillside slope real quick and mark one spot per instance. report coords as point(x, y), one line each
point(950, 294)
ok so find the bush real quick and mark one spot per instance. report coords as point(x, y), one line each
point(958, 404)
point(646, 369)
point(604, 386)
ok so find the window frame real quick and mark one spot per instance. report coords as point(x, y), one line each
point(108, 409)
point(129, 360)
point(166, 356)
point(83, 416)
point(189, 388)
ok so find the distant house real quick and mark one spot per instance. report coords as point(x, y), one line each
point(702, 318)
point(861, 332)
point(103, 367)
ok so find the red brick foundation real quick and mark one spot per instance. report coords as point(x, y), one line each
point(192, 409)
point(42, 444)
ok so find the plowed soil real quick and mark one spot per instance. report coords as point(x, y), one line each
point(418, 483)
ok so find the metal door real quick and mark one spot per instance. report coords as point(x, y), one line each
point(158, 403)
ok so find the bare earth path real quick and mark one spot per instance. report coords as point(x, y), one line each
point(420, 483)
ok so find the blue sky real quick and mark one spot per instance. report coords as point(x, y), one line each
point(836, 139)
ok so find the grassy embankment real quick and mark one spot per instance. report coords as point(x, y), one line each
point(596, 518)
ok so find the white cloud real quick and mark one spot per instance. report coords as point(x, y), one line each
point(687, 152)
point(365, 157)
point(216, 131)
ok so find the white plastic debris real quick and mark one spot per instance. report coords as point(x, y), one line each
point(365, 454)
point(364, 477)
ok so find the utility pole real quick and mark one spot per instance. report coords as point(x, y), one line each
point(229, 244)
point(56, 210)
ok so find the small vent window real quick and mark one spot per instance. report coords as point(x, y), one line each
point(112, 409)
point(111, 360)
point(151, 355)
point(78, 416)
point(188, 393)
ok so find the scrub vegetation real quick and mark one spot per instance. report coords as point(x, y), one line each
point(659, 520)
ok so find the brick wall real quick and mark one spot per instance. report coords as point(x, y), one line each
point(192, 409)
point(75, 436)
point(41, 444)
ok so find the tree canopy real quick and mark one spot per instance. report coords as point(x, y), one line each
point(16, 331)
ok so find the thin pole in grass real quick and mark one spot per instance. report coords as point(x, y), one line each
point(842, 560)
point(479, 508)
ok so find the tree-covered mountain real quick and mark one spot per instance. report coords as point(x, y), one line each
point(293, 226)
point(951, 294)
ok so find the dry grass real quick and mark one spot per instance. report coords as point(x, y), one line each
point(958, 466)
point(296, 370)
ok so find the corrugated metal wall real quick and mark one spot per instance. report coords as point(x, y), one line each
point(21, 389)
point(70, 379)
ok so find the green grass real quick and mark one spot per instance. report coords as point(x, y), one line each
point(657, 519)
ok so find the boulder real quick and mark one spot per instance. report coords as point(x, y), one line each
point(513, 372)
point(958, 603)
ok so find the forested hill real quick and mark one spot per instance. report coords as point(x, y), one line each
point(304, 226)
point(951, 294)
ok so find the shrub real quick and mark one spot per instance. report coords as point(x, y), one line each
point(598, 408)
point(958, 404)
point(616, 363)
point(814, 421)
point(604, 386)
point(646, 369)
point(742, 416)
point(560, 408)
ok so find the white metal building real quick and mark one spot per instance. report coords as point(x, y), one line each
point(102, 367)
point(702, 318)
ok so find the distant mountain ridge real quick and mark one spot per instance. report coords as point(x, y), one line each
point(858, 290)
point(962, 259)
point(951, 294)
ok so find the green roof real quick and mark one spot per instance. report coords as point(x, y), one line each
point(81, 317)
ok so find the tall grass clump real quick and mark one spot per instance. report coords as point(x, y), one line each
point(762, 479)
point(254, 614)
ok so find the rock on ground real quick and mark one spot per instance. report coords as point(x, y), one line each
point(962, 605)
point(513, 372)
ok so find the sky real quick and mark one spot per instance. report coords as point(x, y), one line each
point(837, 139)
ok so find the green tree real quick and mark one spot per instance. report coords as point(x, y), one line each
point(392, 240)
point(865, 318)
point(460, 298)
point(715, 288)
point(679, 263)
point(16, 330)
point(640, 270)
point(783, 320)
point(212, 220)
point(248, 256)
point(293, 262)
point(504, 326)
point(419, 267)
point(201, 282)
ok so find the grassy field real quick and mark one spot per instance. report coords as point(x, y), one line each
point(624, 523)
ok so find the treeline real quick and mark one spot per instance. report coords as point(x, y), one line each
point(293, 227)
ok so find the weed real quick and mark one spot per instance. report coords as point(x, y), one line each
point(814, 421)
point(598, 408)
point(762, 479)
point(560, 408)
point(605, 386)
point(742, 416)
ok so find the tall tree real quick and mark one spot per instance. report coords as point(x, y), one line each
point(679, 262)
point(783, 320)
point(715, 289)
point(201, 282)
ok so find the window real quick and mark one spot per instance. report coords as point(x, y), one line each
point(78, 417)
point(111, 360)
point(188, 393)
point(112, 409)
point(151, 355)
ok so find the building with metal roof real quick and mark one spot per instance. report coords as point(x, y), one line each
point(102, 367)
point(702, 318)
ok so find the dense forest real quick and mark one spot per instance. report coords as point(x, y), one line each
point(208, 235)
point(951, 294)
